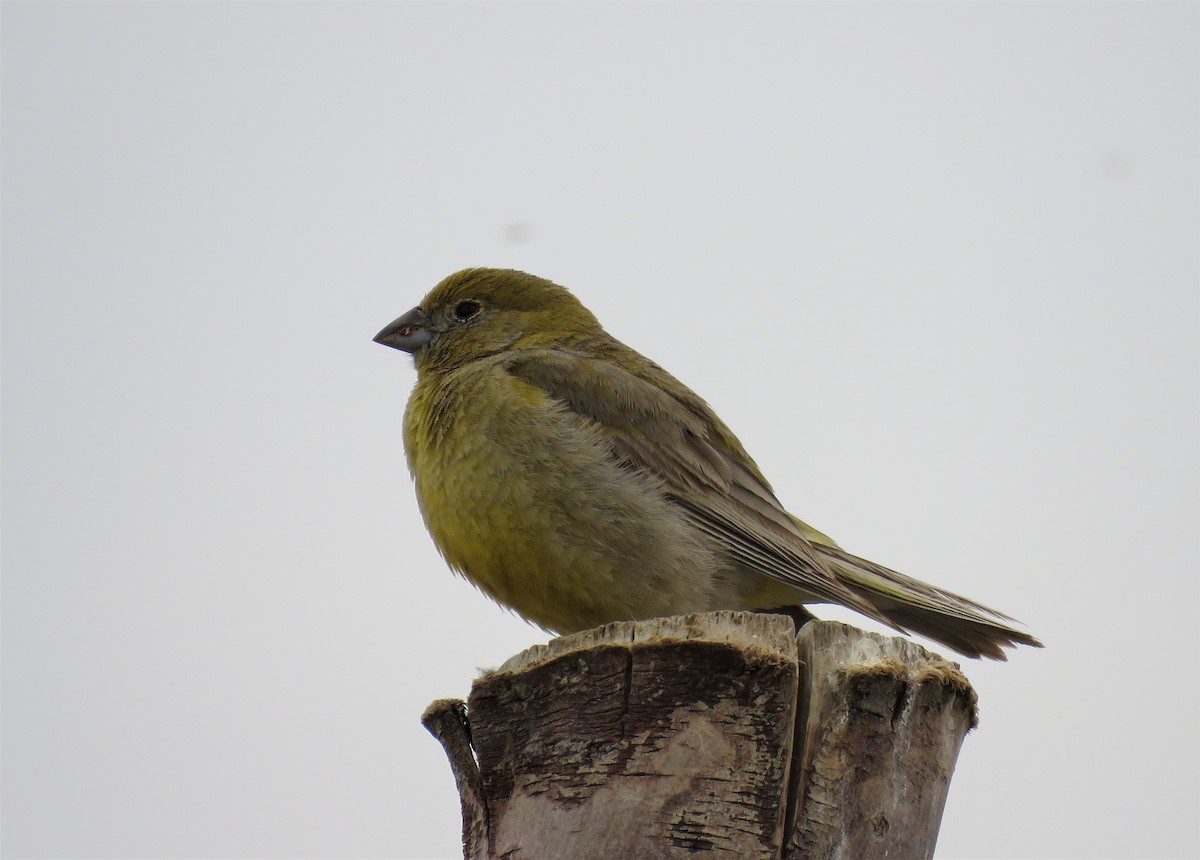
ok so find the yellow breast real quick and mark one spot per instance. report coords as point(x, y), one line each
point(523, 497)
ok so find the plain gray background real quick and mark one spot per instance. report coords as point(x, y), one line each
point(936, 264)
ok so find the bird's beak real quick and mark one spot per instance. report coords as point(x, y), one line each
point(409, 332)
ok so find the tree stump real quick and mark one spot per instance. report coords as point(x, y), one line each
point(723, 733)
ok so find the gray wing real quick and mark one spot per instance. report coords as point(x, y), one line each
point(655, 424)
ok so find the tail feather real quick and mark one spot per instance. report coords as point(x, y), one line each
point(962, 624)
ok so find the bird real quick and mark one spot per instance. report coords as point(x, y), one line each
point(577, 482)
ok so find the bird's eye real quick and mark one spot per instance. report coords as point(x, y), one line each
point(464, 310)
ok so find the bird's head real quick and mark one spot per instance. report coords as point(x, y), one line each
point(480, 312)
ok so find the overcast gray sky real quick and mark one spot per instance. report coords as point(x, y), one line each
point(937, 265)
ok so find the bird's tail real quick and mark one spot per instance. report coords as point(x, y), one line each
point(953, 620)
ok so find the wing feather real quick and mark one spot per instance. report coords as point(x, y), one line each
point(656, 425)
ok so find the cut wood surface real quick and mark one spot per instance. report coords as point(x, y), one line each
point(723, 734)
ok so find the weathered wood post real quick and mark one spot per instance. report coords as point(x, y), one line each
point(724, 733)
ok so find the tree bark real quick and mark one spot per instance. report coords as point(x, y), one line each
point(723, 733)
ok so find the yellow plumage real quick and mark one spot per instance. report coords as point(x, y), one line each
point(578, 483)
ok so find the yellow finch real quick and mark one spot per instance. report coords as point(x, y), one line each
point(577, 482)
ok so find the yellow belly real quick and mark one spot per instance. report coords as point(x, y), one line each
point(526, 502)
